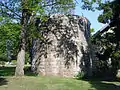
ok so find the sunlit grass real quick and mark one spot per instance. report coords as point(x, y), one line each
point(32, 82)
point(55, 83)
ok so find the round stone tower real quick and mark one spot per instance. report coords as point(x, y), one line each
point(64, 47)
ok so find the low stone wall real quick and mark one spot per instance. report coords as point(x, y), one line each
point(65, 47)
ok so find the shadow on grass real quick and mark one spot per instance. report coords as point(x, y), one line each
point(28, 72)
point(102, 85)
point(99, 84)
point(10, 71)
point(7, 71)
point(3, 81)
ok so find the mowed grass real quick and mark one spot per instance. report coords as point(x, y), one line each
point(9, 82)
point(43, 83)
point(54, 83)
point(10, 71)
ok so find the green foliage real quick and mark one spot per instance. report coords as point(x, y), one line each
point(92, 30)
point(107, 43)
point(25, 12)
point(27, 59)
point(9, 31)
point(14, 62)
point(4, 58)
point(2, 63)
point(109, 9)
point(80, 75)
point(108, 54)
point(12, 9)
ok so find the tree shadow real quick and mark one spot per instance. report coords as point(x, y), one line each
point(85, 65)
point(3, 81)
point(10, 71)
point(28, 72)
point(7, 71)
point(101, 84)
point(61, 39)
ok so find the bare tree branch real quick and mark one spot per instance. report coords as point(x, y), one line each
point(10, 9)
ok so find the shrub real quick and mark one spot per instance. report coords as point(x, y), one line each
point(4, 58)
point(14, 62)
point(80, 75)
point(2, 63)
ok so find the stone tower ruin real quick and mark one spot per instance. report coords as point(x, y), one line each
point(64, 49)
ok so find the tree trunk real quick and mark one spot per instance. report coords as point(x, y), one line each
point(21, 55)
point(30, 50)
point(20, 63)
point(34, 59)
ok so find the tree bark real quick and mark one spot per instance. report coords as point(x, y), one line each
point(20, 63)
point(34, 59)
point(21, 55)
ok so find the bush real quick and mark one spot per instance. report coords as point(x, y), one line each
point(27, 59)
point(2, 63)
point(14, 62)
point(80, 75)
point(4, 58)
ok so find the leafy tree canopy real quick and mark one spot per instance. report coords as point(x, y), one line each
point(110, 9)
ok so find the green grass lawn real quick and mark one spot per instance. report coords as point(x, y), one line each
point(10, 71)
point(9, 82)
point(54, 83)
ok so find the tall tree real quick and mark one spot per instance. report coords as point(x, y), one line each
point(9, 38)
point(21, 53)
point(23, 11)
point(110, 9)
point(107, 42)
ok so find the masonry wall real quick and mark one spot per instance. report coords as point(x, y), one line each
point(64, 49)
